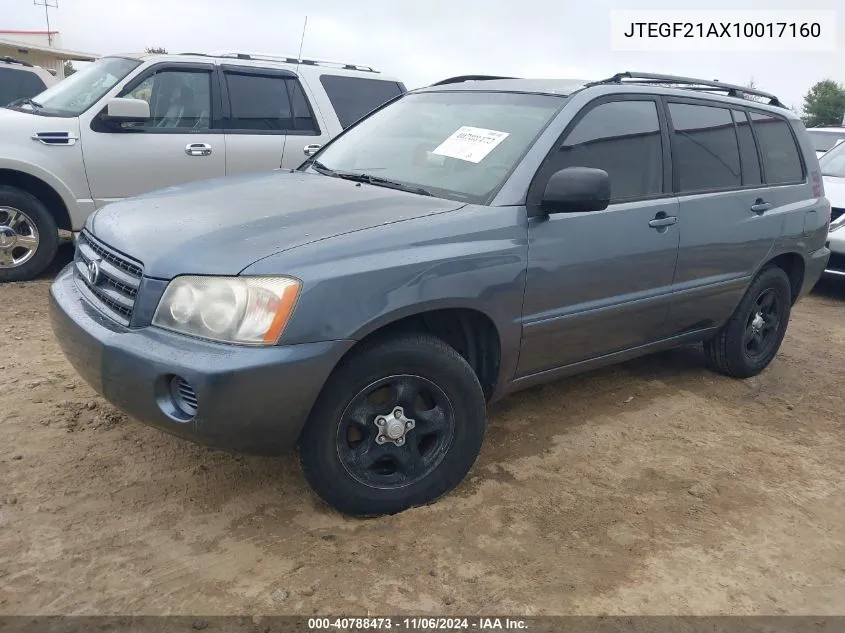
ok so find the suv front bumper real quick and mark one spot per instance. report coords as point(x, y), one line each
point(250, 399)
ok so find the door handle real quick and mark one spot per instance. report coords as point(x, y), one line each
point(198, 149)
point(310, 150)
point(761, 206)
point(662, 221)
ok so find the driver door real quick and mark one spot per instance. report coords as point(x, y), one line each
point(177, 145)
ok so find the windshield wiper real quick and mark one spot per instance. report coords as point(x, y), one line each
point(369, 179)
point(321, 168)
point(383, 182)
point(26, 101)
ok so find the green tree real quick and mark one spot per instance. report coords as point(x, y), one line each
point(824, 104)
point(69, 69)
point(156, 50)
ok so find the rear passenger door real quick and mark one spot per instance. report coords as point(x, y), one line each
point(730, 214)
point(267, 115)
point(601, 282)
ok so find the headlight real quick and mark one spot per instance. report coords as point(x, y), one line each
point(249, 310)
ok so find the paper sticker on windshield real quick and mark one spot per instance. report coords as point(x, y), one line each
point(471, 144)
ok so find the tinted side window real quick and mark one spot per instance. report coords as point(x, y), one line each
point(747, 150)
point(179, 100)
point(267, 103)
point(258, 102)
point(18, 84)
point(622, 138)
point(303, 119)
point(706, 153)
point(354, 97)
point(781, 160)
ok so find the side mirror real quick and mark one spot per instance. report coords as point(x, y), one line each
point(127, 111)
point(577, 189)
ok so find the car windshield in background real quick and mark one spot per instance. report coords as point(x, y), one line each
point(833, 163)
point(823, 141)
point(458, 145)
point(77, 93)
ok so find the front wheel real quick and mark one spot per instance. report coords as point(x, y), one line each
point(29, 238)
point(751, 338)
point(397, 425)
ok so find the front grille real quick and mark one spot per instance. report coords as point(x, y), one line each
point(836, 213)
point(111, 278)
point(836, 262)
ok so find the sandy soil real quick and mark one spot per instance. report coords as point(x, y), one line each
point(652, 487)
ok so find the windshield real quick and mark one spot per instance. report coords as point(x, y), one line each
point(77, 93)
point(458, 145)
point(823, 141)
point(833, 163)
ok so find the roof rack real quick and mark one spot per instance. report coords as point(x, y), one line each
point(286, 59)
point(691, 84)
point(13, 60)
point(463, 78)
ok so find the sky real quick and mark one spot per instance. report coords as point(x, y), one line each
point(423, 41)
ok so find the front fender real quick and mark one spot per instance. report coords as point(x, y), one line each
point(473, 258)
point(23, 164)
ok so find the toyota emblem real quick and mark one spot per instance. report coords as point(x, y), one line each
point(93, 272)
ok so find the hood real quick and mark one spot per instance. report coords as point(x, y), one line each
point(220, 227)
point(834, 190)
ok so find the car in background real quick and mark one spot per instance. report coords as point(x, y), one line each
point(833, 173)
point(825, 138)
point(152, 121)
point(21, 80)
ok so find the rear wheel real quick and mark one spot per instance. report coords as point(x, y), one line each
point(29, 237)
point(751, 338)
point(397, 425)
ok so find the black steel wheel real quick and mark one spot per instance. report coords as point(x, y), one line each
point(751, 338)
point(398, 424)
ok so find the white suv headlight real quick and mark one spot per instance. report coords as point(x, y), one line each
point(247, 310)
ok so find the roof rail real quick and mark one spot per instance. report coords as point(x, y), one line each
point(287, 59)
point(463, 78)
point(13, 60)
point(690, 83)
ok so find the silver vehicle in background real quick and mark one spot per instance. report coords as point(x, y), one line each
point(21, 80)
point(147, 122)
point(825, 138)
point(833, 172)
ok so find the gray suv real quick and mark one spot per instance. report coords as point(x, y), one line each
point(465, 241)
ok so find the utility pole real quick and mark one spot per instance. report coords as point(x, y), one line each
point(47, 4)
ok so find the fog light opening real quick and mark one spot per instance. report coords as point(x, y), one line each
point(184, 397)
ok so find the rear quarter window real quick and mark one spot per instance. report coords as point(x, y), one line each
point(18, 84)
point(781, 157)
point(354, 97)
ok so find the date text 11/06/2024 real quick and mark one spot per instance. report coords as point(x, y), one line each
point(417, 624)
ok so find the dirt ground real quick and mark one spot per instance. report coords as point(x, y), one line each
point(654, 487)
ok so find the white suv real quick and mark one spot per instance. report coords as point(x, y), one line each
point(21, 80)
point(131, 124)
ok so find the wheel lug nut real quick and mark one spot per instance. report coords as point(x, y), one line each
point(397, 413)
point(381, 421)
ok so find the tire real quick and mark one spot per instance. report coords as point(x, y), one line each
point(352, 463)
point(24, 211)
point(731, 351)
